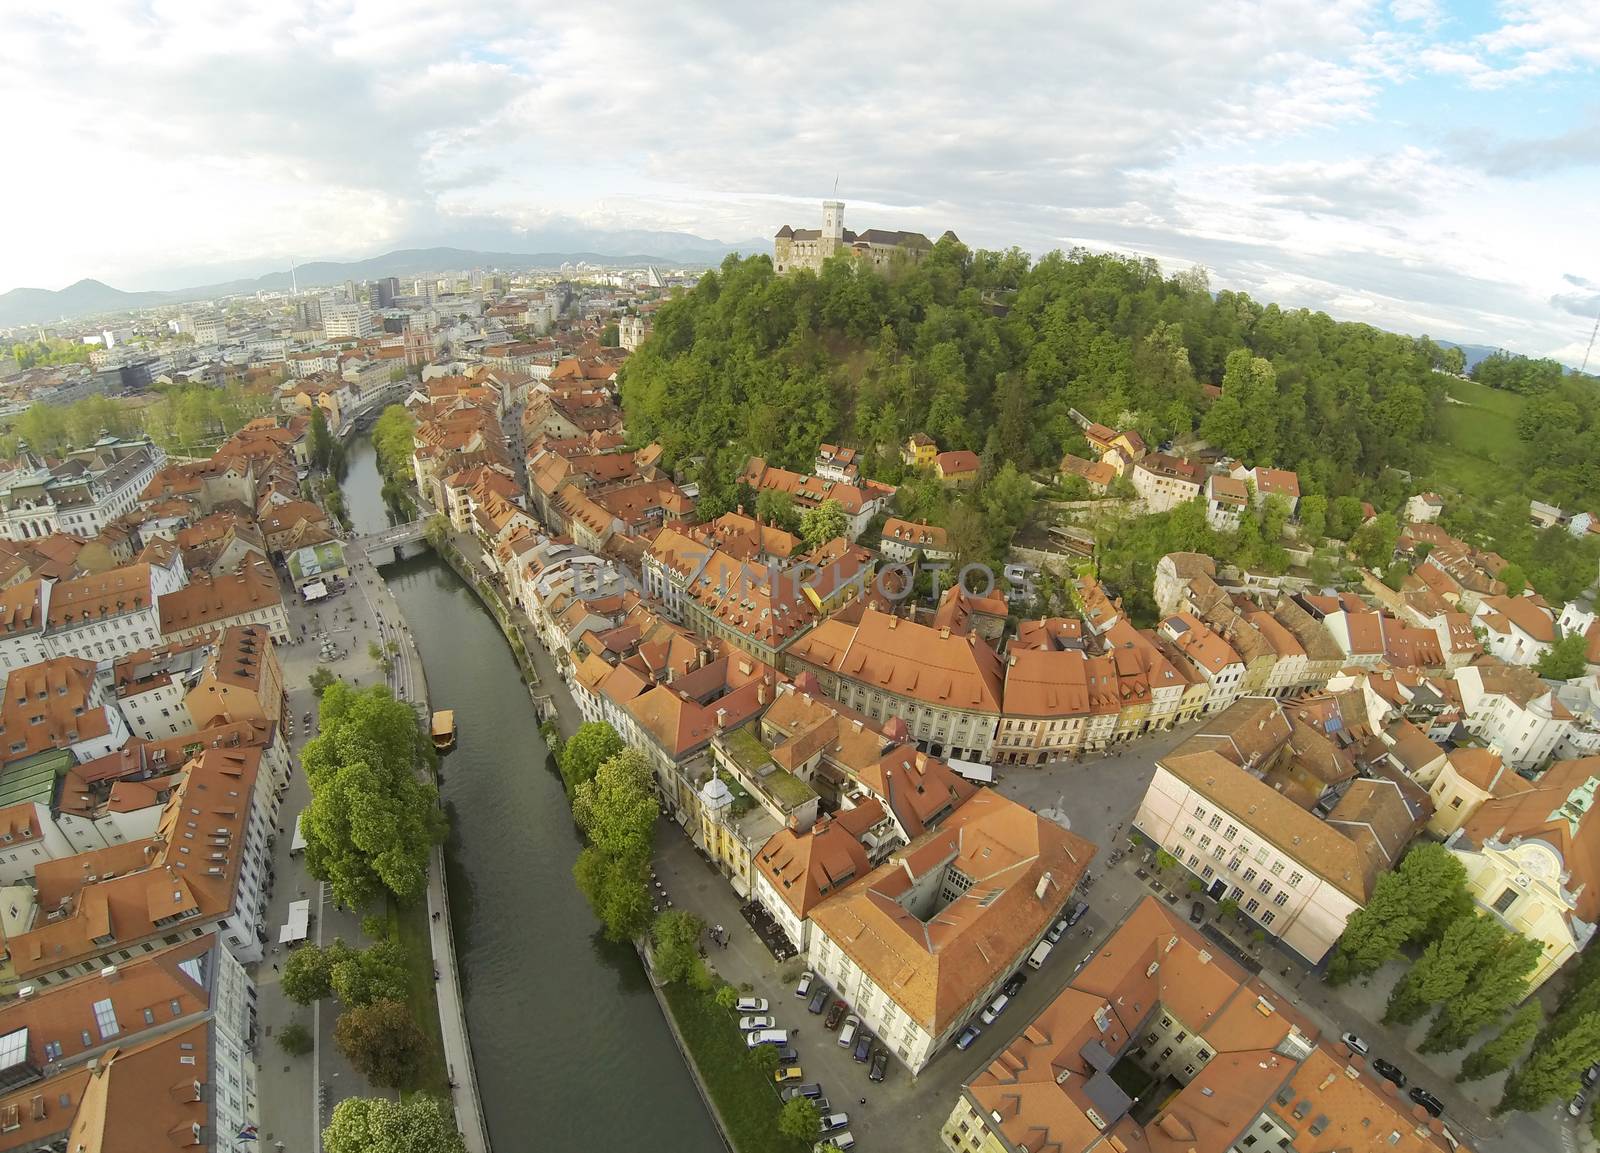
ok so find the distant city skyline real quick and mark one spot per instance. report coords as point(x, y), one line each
point(1419, 165)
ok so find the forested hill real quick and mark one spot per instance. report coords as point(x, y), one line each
point(986, 351)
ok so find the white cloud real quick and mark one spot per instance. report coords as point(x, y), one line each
point(1243, 136)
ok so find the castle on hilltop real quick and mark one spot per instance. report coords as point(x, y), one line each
point(795, 248)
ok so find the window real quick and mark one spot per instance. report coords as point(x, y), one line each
point(1208, 871)
point(1165, 1053)
point(1203, 1055)
point(1264, 887)
point(1199, 810)
point(1205, 842)
point(1188, 832)
point(1296, 878)
point(1268, 917)
point(1231, 832)
point(1252, 905)
point(149, 1016)
point(1277, 868)
point(1250, 875)
point(1182, 1036)
point(1188, 1070)
point(1281, 899)
point(1505, 900)
point(1216, 821)
point(52, 1050)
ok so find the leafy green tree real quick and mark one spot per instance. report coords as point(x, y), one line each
point(618, 890)
point(1374, 542)
point(308, 974)
point(1514, 579)
point(320, 442)
point(1442, 970)
point(376, 973)
point(1345, 515)
point(595, 743)
point(1552, 1070)
point(823, 523)
point(1401, 905)
point(1566, 659)
point(295, 1039)
point(416, 1124)
point(726, 996)
point(1499, 1051)
point(776, 507)
point(676, 936)
point(1499, 981)
point(799, 1119)
point(1313, 517)
point(617, 808)
point(321, 678)
point(372, 820)
point(382, 1042)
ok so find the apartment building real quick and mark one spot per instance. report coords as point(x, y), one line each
point(1467, 780)
point(79, 495)
point(58, 706)
point(1213, 658)
point(1229, 1066)
point(1513, 711)
point(1519, 630)
point(1530, 856)
point(150, 687)
point(946, 687)
point(149, 1053)
point(251, 596)
point(1164, 482)
point(1299, 878)
point(202, 872)
point(920, 943)
point(97, 617)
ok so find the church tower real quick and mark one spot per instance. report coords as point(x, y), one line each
point(832, 239)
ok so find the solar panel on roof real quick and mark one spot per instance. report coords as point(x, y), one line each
point(14, 1048)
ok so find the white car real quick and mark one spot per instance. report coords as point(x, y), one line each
point(756, 1021)
point(847, 1035)
point(804, 986)
point(832, 1121)
point(751, 1005)
point(994, 1008)
point(1355, 1044)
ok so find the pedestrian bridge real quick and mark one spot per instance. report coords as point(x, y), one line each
point(392, 540)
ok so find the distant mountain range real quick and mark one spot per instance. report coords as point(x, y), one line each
point(1473, 352)
point(90, 297)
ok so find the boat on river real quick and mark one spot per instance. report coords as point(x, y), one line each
point(444, 730)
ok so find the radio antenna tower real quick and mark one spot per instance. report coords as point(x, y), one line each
point(1593, 332)
point(294, 283)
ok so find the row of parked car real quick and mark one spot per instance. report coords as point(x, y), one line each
point(761, 1028)
point(1391, 1072)
point(1013, 985)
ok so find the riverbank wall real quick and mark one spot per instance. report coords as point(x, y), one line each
point(483, 588)
point(683, 1049)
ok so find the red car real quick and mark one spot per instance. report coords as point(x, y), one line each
point(835, 1015)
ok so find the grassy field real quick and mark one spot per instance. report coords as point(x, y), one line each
point(1478, 448)
point(744, 1094)
point(409, 926)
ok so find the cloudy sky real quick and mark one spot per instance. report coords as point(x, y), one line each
point(1425, 165)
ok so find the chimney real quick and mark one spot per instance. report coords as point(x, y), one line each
point(944, 632)
point(761, 692)
point(722, 719)
point(1044, 884)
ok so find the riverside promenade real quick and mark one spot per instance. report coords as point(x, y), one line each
point(410, 684)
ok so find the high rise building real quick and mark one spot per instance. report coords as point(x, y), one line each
point(346, 321)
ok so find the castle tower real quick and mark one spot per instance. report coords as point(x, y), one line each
point(832, 239)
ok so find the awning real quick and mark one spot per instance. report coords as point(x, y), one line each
point(299, 921)
point(972, 770)
point(299, 843)
point(314, 591)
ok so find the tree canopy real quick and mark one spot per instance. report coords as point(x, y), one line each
point(417, 1124)
point(595, 743)
point(985, 351)
point(617, 810)
point(372, 820)
point(382, 1042)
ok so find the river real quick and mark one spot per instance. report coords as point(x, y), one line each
point(571, 1050)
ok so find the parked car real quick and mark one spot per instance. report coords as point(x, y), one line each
point(840, 1140)
point(880, 1064)
point(1057, 931)
point(766, 1037)
point(787, 1055)
point(863, 1048)
point(1197, 913)
point(834, 1121)
point(787, 1073)
point(1040, 954)
point(1354, 1043)
point(1388, 1072)
point(757, 1021)
point(1014, 983)
point(804, 986)
point(819, 999)
point(1077, 913)
point(1591, 1074)
point(751, 1005)
point(1574, 1106)
point(847, 1035)
point(994, 1008)
point(835, 1015)
point(1428, 1101)
point(968, 1036)
point(809, 1089)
